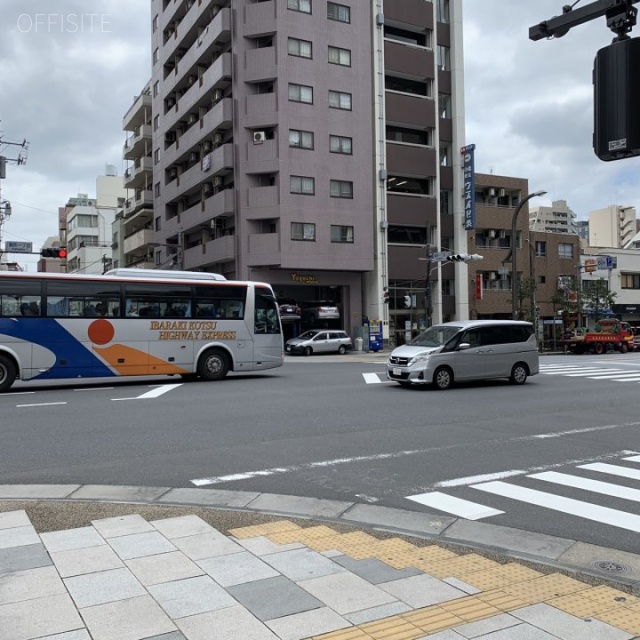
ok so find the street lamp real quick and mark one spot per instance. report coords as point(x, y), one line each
point(514, 270)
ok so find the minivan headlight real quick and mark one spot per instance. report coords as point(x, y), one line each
point(421, 357)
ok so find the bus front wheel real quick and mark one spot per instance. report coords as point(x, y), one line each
point(8, 372)
point(213, 365)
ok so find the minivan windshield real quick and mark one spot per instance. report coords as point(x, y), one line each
point(435, 336)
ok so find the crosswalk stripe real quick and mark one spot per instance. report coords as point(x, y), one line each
point(582, 374)
point(564, 372)
point(612, 469)
point(616, 375)
point(636, 379)
point(455, 506)
point(632, 458)
point(595, 486)
point(371, 378)
point(586, 510)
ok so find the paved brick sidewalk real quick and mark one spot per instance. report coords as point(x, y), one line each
point(124, 578)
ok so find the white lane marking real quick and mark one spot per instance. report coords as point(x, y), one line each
point(399, 454)
point(154, 393)
point(455, 506)
point(461, 482)
point(96, 389)
point(595, 486)
point(565, 372)
point(40, 404)
point(633, 459)
point(613, 470)
point(615, 376)
point(586, 510)
point(608, 372)
point(636, 379)
point(371, 378)
point(18, 393)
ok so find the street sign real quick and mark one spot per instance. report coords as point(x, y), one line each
point(18, 247)
point(590, 266)
point(605, 262)
point(438, 256)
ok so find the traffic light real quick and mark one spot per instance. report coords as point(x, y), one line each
point(407, 302)
point(464, 257)
point(53, 252)
point(385, 296)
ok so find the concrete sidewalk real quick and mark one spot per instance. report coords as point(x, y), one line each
point(168, 577)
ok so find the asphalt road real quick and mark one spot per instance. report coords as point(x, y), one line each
point(330, 427)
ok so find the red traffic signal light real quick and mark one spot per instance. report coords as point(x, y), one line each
point(53, 252)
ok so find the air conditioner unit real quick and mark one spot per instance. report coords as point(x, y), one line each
point(206, 146)
point(173, 173)
point(259, 137)
point(191, 79)
point(171, 102)
point(503, 233)
point(217, 181)
point(207, 189)
point(215, 10)
point(502, 193)
point(493, 275)
point(491, 193)
point(492, 233)
point(193, 117)
point(217, 95)
point(190, 4)
point(218, 138)
point(170, 136)
point(194, 156)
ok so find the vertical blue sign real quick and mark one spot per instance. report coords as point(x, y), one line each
point(469, 188)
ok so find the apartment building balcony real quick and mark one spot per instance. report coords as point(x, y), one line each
point(405, 109)
point(137, 144)
point(143, 198)
point(261, 110)
point(260, 19)
point(136, 240)
point(139, 112)
point(139, 262)
point(200, 214)
point(260, 65)
point(404, 159)
point(262, 157)
point(198, 23)
point(137, 176)
point(407, 210)
point(401, 57)
point(218, 250)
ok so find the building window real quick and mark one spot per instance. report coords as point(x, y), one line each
point(304, 6)
point(443, 58)
point(541, 249)
point(444, 105)
point(445, 154)
point(300, 48)
point(155, 55)
point(338, 12)
point(300, 93)
point(340, 56)
point(416, 38)
point(410, 136)
point(303, 231)
point(156, 88)
point(446, 201)
point(301, 139)
point(422, 88)
point(340, 100)
point(303, 185)
point(565, 250)
point(154, 24)
point(542, 279)
point(156, 190)
point(158, 223)
point(630, 280)
point(156, 123)
point(340, 144)
point(341, 234)
point(442, 11)
point(156, 156)
point(407, 235)
point(415, 186)
point(341, 189)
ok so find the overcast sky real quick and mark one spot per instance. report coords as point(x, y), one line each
point(67, 82)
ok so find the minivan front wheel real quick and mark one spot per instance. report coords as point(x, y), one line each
point(443, 378)
point(519, 373)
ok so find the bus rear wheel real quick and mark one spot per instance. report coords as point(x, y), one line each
point(8, 373)
point(213, 365)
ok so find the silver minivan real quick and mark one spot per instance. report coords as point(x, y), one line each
point(466, 350)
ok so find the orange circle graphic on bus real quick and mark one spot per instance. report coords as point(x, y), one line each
point(101, 332)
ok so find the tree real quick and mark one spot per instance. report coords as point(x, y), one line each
point(597, 298)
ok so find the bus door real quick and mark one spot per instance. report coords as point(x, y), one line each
point(268, 345)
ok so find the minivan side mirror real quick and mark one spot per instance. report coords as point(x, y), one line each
point(463, 346)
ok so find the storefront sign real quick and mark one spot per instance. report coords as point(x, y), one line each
point(304, 278)
point(469, 186)
point(478, 286)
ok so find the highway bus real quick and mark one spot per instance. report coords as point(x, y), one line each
point(135, 322)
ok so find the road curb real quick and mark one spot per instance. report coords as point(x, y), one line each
point(571, 556)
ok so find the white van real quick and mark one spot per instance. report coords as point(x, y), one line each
point(466, 350)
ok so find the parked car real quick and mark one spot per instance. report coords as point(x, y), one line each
point(289, 310)
point(319, 341)
point(314, 310)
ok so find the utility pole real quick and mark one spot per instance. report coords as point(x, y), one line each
point(21, 158)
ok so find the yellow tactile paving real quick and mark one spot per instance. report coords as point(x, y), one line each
point(394, 628)
point(264, 529)
point(499, 576)
point(456, 567)
point(432, 619)
point(470, 609)
point(545, 588)
point(609, 595)
point(622, 618)
point(285, 537)
point(578, 605)
point(501, 600)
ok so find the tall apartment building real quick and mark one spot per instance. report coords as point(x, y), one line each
point(133, 226)
point(613, 226)
point(558, 218)
point(310, 144)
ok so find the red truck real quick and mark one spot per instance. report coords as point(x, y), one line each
point(610, 333)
